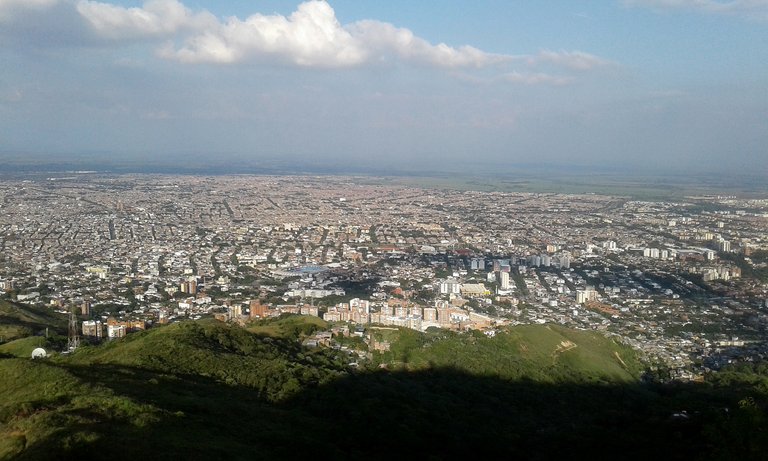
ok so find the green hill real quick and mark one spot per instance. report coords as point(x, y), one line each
point(206, 390)
point(23, 347)
point(19, 321)
point(541, 353)
point(274, 368)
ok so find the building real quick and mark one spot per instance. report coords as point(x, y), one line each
point(310, 310)
point(257, 310)
point(449, 287)
point(93, 329)
point(235, 311)
point(504, 281)
point(586, 295)
point(85, 309)
point(474, 289)
point(477, 264)
point(116, 331)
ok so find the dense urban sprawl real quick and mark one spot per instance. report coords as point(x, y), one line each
point(685, 280)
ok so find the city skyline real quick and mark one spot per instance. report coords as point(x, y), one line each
point(640, 85)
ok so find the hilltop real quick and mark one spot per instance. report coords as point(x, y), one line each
point(208, 390)
point(546, 353)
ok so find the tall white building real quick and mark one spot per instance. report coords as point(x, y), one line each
point(588, 294)
point(504, 280)
point(450, 286)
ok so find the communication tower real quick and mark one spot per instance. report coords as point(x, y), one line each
point(73, 338)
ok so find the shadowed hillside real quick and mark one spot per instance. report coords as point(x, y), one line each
point(202, 390)
point(19, 321)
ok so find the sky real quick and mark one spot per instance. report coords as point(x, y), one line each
point(488, 85)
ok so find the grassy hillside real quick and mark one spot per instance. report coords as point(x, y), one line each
point(274, 368)
point(23, 347)
point(288, 326)
point(206, 390)
point(542, 353)
point(19, 321)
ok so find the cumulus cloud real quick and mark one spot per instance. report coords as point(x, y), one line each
point(155, 18)
point(383, 39)
point(311, 36)
point(752, 9)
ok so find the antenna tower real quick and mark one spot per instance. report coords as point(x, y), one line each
point(73, 339)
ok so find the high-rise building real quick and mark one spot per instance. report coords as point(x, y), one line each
point(477, 264)
point(504, 280)
point(93, 329)
point(586, 295)
point(85, 309)
point(257, 310)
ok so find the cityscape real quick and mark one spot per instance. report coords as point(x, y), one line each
point(684, 281)
point(374, 230)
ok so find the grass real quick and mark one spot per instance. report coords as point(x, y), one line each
point(22, 347)
point(19, 320)
point(288, 326)
point(208, 390)
point(542, 353)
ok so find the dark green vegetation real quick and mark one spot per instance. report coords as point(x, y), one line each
point(206, 390)
point(20, 321)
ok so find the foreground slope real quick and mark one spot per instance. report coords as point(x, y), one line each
point(205, 390)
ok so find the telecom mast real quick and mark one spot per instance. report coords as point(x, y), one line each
point(73, 338)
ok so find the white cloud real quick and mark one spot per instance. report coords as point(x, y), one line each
point(752, 9)
point(155, 18)
point(311, 36)
point(576, 60)
point(384, 39)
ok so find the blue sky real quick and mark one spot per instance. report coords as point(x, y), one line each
point(652, 85)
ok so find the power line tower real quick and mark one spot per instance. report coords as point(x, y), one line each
point(73, 338)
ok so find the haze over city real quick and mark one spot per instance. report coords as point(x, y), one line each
point(645, 85)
